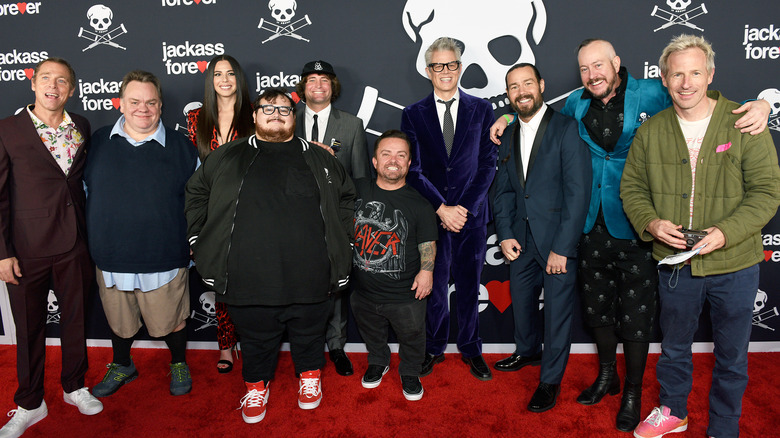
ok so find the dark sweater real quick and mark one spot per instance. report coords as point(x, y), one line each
point(135, 202)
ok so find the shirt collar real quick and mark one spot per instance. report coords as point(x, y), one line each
point(323, 114)
point(158, 135)
point(39, 124)
point(536, 120)
point(456, 96)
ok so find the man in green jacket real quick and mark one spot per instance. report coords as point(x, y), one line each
point(688, 167)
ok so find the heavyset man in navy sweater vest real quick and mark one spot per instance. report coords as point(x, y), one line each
point(135, 177)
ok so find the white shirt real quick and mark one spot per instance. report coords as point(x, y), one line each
point(440, 108)
point(527, 135)
point(322, 122)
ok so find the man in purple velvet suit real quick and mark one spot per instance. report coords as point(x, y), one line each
point(453, 164)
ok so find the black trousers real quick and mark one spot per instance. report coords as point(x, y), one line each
point(262, 328)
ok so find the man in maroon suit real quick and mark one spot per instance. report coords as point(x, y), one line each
point(42, 239)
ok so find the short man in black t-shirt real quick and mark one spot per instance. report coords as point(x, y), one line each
point(395, 247)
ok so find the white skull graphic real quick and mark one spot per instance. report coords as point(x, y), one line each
point(492, 42)
point(207, 302)
point(772, 95)
point(678, 5)
point(53, 305)
point(282, 10)
point(760, 302)
point(100, 17)
point(191, 106)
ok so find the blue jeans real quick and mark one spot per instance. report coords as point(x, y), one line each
point(731, 299)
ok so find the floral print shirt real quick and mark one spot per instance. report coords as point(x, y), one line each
point(62, 141)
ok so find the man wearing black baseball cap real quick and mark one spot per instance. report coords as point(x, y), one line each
point(344, 136)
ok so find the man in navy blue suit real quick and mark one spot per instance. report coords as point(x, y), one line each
point(541, 201)
point(453, 165)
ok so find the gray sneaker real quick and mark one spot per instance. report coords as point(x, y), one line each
point(116, 376)
point(181, 380)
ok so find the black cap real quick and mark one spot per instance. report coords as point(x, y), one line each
point(321, 67)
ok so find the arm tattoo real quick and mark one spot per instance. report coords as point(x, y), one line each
point(427, 255)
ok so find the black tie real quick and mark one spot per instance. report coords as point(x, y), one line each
point(448, 128)
point(315, 135)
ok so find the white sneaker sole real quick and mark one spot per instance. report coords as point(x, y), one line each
point(371, 385)
point(311, 405)
point(94, 411)
point(414, 397)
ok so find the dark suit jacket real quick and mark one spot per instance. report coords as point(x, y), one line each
point(465, 176)
point(348, 130)
point(41, 209)
point(554, 199)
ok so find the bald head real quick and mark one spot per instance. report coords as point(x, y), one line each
point(599, 66)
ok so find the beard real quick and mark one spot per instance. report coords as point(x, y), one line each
point(527, 111)
point(610, 88)
point(275, 135)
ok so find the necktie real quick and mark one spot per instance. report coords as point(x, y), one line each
point(448, 128)
point(315, 135)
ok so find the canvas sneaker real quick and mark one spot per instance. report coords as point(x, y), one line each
point(412, 387)
point(22, 419)
point(82, 399)
point(373, 376)
point(254, 402)
point(659, 423)
point(116, 376)
point(309, 390)
point(181, 380)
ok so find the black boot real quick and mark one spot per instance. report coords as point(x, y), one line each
point(630, 407)
point(606, 383)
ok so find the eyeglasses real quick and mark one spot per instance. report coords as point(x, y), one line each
point(439, 66)
point(269, 109)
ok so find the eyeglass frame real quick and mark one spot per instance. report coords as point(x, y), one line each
point(274, 108)
point(440, 65)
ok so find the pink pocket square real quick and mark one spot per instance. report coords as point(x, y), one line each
point(723, 147)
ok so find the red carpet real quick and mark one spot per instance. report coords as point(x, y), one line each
point(454, 404)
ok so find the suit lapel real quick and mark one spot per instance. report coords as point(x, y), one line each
point(465, 114)
point(431, 121)
point(27, 128)
point(538, 138)
point(333, 124)
point(517, 150)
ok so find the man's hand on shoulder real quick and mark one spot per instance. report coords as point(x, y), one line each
point(755, 119)
point(667, 232)
point(497, 129)
point(9, 270)
point(324, 146)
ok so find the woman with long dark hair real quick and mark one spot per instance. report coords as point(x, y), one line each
point(226, 115)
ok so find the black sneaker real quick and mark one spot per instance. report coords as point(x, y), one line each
point(373, 376)
point(412, 387)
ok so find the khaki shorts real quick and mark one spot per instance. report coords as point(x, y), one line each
point(162, 309)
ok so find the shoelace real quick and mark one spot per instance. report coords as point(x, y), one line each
point(17, 416)
point(657, 417)
point(309, 386)
point(179, 372)
point(253, 399)
point(78, 395)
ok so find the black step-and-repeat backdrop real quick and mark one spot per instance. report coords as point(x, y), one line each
point(377, 50)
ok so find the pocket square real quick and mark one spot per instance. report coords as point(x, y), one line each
point(723, 147)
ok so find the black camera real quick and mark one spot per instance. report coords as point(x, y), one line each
point(692, 237)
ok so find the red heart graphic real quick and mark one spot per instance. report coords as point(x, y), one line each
point(115, 102)
point(197, 2)
point(22, 7)
point(202, 65)
point(767, 255)
point(29, 72)
point(499, 294)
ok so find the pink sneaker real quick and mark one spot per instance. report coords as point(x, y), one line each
point(309, 390)
point(659, 423)
point(253, 404)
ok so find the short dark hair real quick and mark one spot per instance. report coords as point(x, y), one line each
point(392, 133)
point(522, 65)
point(141, 76)
point(270, 95)
point(60, 61)
point(335, 87)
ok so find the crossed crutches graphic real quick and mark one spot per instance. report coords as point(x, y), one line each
point(106, 38)
point(288, 30)
point(208, 321)
point(681, 18)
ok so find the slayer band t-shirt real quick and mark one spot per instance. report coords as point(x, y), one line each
point(389, 224)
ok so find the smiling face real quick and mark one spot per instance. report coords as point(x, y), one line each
point(687, 79)
point(52, 86)
point(524, 92)
point(391, 161)
point(445, 82)
point(599, 68)
point(274, 128)
point(142, 108)
point(318, 91)
point(224, 79)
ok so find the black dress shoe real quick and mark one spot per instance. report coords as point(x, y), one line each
point(342, 362)
point(428, 363)
point(544, 397)
point(515, 362)
point(630, 406)
point(478, 367)
point(606, 383)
